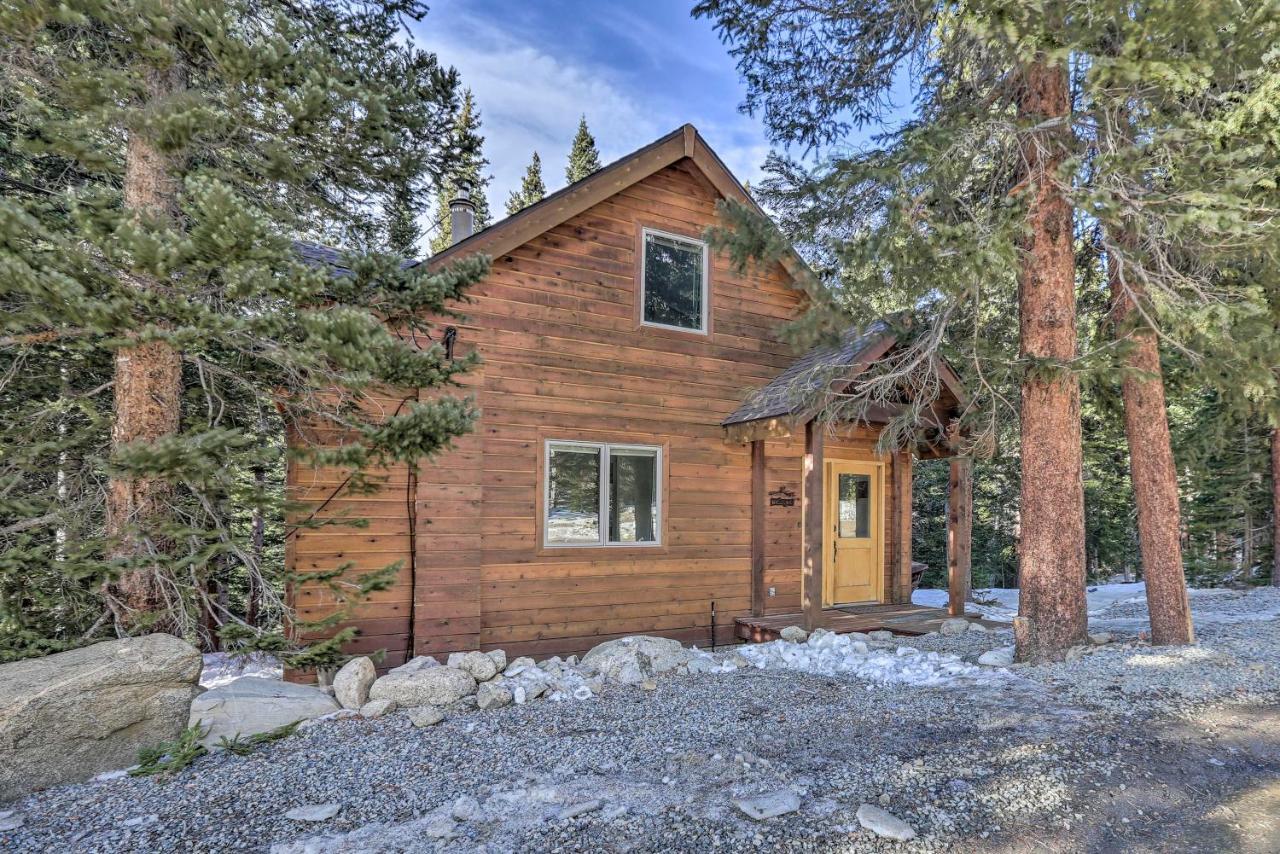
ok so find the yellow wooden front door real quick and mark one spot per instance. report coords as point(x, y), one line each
point(854, 532)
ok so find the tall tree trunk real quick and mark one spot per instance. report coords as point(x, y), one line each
point(1275, 507)
point(148, 390)
point(258, 547)
point(1051, 611)
point(1155, 479)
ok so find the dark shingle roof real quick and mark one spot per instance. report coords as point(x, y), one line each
point(314, 253)
point(799, 385)
point(319, 255)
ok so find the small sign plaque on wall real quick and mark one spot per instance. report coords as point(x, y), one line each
point(782, 497)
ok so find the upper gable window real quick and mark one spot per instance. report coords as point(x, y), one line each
point(674, 278)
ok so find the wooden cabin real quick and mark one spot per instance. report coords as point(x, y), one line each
point(637, 467)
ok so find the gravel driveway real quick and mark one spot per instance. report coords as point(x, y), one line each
point(1127, 749)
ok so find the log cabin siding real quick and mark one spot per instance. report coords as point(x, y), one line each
point(564, 357)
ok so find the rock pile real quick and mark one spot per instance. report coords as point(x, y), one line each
point(487, 680)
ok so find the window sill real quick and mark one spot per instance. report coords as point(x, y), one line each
point(679, 330)
point(598, 550)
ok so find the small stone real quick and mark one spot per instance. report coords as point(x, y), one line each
point(10, 820)
point(794, 634)
point(884, 824)
point(498, 657)
point(1101, 638)
point(954, 626)
point(582, 692)
point(313, 812)
point(352, 683)
point(140, 820)
point(1076, 653)
point(769, 805)
point(480, 666)
point(424, 716)
point(524, 662)
point(377, 708)
point(575, 810)
point(880, 635)
point(491, 695)
point(999, 657)
point(885, 800)
point(649, 685)
point(977, 627)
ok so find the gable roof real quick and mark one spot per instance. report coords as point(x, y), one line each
point(568, 202)
point(789, 392)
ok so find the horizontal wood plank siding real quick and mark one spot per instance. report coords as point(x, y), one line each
point(563, 357)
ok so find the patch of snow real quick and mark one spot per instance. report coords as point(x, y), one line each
point(1123, 606)
point(221, 668)
point(829, 654)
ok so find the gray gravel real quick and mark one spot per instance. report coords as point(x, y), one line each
point(1042, 761)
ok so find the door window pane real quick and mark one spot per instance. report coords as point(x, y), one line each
point(573, 495)
point(633, 496)
point(673, 271)
point(855, 505)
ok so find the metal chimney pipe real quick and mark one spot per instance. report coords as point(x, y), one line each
point(462, 213)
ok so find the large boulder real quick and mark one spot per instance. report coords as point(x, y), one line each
point(430, 686)
point(69, 716)
point(632, 660)
point(251, 705)
point(351, 684)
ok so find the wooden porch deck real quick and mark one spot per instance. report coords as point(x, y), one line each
point(900, 619)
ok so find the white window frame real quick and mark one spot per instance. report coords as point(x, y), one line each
point(705, 315)
point(604, 448)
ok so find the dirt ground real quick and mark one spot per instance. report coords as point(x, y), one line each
point(1211, 783)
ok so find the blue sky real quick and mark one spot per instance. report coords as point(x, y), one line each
point(637, 70)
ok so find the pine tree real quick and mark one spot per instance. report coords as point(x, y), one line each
point(403, 233)
point(466, 133)
point(584, 157)
point(162, 328)
point(531, 187)
point(974, 198)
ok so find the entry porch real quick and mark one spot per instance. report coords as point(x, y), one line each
point(854, 501)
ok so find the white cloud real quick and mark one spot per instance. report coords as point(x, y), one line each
point(530, 101)
point(530, 97)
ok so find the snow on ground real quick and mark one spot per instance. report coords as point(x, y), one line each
point(1123, 606)
point(223, 667)
point(829, 654)
point(1001, 603)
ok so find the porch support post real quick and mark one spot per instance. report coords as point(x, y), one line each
point(811, 528)
point(758, 510)
point(959, 534)
point(901, 592)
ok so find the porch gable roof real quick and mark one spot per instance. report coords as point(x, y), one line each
point(790, 392)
